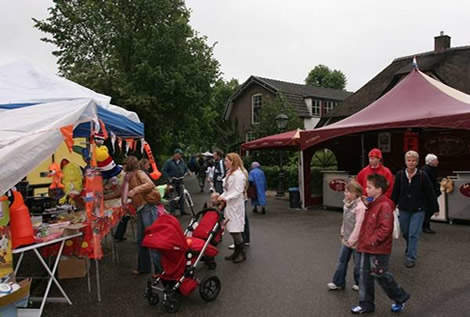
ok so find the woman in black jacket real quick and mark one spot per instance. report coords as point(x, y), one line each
point(414, 195)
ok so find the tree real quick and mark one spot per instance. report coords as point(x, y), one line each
point(323, 76)
point(142, 53)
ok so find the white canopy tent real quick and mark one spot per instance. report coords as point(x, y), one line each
point(34, 106)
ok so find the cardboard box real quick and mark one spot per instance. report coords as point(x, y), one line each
point(72, 267)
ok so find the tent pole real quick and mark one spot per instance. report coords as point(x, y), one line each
point(301, 179)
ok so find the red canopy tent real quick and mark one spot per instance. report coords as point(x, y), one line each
point(289, 139)
point(417, 101)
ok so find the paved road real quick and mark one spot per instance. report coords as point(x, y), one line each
point(292, 257)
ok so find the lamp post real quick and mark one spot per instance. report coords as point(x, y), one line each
point(281, 121)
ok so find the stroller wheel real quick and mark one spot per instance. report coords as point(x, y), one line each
point(153, 298)
point(209, 288)
point(171, 303)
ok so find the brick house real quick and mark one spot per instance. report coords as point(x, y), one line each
point(311, 103)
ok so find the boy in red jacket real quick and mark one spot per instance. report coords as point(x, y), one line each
point(375, 244)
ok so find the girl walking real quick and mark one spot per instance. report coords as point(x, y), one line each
point(353, 215)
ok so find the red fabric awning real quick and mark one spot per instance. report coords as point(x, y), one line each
point(417, 101)
point(281, 140)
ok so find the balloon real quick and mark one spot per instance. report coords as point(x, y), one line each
point(156, 173)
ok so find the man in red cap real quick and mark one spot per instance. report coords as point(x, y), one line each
point(375, 167)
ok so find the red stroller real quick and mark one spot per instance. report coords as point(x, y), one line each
point(179, 256)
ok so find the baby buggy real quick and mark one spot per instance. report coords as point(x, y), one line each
point(180, 256)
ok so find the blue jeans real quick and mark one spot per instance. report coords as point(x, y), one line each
point(344, 256)
point(411, 224)
point(375, 266)
point(146, 216)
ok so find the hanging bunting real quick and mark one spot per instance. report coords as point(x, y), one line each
point(127, 145)
point(113, 140)
point(67, 132)
point(120, 144)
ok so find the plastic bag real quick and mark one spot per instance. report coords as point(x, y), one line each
point(396, 224)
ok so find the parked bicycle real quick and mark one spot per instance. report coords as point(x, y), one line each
point(175, 199)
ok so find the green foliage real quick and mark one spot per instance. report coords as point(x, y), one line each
point(145, 55)
point(323, 76)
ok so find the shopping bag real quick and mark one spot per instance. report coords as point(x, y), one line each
point(251, 191)
point(396, 224)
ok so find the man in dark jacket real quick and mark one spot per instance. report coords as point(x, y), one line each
point(414, 195)
point(430, 168)
point(219, 172)
point(173, 170)
point(375, 244)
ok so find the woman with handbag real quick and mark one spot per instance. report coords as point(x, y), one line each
point(257, 187)
point(144, 197)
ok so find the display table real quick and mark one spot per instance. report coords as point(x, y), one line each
point(51, 272)
point(88, 244)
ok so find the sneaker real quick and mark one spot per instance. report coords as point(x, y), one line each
point(231, 247)
point(247, 244)
point(409, 264)
point(398, 307)
point(332, 286)
point(360, 310)
point(355, 287)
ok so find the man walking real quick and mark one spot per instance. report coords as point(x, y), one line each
point(375, 244)
point(173, 169)
point(219, 172)
point(430, 168)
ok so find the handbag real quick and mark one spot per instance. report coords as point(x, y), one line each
point(396, 224)
point(151, 197)
point(251, 191)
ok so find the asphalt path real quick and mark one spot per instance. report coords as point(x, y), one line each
point(293, 255)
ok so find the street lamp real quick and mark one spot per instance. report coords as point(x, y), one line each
point(281, 121)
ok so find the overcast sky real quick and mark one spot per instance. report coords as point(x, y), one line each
point(281, 39)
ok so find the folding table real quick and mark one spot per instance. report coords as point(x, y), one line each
point(35, 247)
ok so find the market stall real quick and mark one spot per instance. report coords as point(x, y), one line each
point(38, 112)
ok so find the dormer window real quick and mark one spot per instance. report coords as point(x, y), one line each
point(330, 105)
point(256, 103)
point(316, 107)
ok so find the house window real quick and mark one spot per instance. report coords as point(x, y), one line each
point(316, 107)
point(256, 103)
point(330, 105)
point(250, 136)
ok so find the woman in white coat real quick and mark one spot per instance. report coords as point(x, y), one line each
point(235, 185)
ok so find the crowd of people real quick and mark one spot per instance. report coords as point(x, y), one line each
point(368, 225)
point(368, 213)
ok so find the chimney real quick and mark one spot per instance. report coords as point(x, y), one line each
point(441, 42)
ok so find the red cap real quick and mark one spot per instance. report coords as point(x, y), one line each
point(375, 153)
